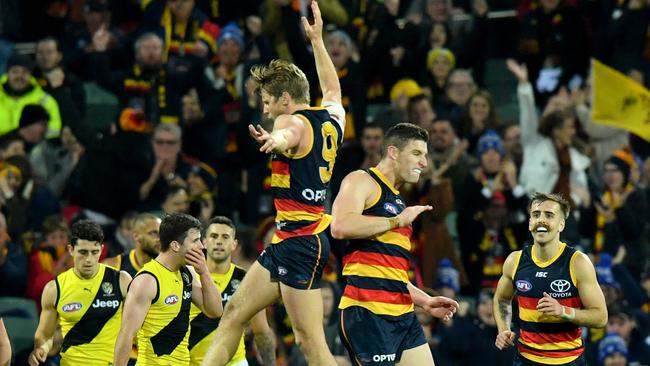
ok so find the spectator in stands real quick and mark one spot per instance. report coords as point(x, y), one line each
point(628, 325)
point(188, 33)
point(18, 89)
point(550, 164)
point(54, 161)
point(177, 200)
point(618, 215)
point(202, 189)
point(400, 94)
point(440, 63)
point(612, 350)
point(420, 112)
point(480, 116)
point(31, 129)
point(50, 257)
point(51, 74)
point(460, 88)
point(511, 134)
point(78, 42)
point(13, 264)
point(553, 43)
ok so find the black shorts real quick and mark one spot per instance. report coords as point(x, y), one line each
point(297, 262)
point(376, 339)
point(522, 361)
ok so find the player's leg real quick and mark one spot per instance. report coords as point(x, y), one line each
point(305, 309)
point(420, 355)
point(255, 292)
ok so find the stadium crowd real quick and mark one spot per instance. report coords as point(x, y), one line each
point(178, 142)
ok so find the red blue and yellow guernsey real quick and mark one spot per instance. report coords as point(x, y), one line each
point(299, 182)
point(377, 268)
point(544, 339)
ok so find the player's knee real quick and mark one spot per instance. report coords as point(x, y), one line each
point(232, 315)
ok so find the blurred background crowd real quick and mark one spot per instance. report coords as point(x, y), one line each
point(111, 108)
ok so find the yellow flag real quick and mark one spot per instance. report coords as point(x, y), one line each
point(619, 101)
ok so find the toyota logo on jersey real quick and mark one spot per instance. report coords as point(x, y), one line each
point(560, 285)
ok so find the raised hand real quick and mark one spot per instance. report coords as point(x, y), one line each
point(410, 213)
point(262, 137)
point(196, 259)
point(520, 71)
point(313, 31)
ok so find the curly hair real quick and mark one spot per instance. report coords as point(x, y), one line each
point(86, 230)
point(281, 76)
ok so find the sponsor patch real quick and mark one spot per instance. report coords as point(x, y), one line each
point(524, 286)
point(171, 300)
point(71, 307)
point(389, 207)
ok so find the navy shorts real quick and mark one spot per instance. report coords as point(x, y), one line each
point(377, 339)
point(297, 262)
point(522, 361)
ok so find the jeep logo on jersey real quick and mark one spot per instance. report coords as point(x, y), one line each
point(560, 285)
point(107, 287)
point(187, 295)
point(171, 300)
point(524, 286)
point(71, 307)
point(106, 304)
point(390, 208)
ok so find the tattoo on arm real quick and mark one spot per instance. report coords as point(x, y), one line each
point(266, 348)
point(505, 311)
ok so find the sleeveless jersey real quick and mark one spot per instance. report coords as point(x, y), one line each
point(377, 267)
point(299, 182)
point(162, 339)
point(127, 262)
point(202, 328)
point(547, 339)
point(90, 313)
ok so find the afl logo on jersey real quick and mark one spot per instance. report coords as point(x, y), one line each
point(171, 300)
point(71, 307)
point(524, 286)
point(389, 207)
point(560, 285)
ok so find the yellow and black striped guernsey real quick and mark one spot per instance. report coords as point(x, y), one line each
point(162, 339)
point(90, 313)
point(202, 328)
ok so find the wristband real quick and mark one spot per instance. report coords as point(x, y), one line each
point(567, 316)
point(393, 222)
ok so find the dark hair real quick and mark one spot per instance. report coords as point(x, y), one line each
point(371, 125)
point(400, 135)
point(552, 121)
point(539, 197)
point(49, 39)
point(223, 220)
point(174, 227)
point(86, 230)
point(54, 223)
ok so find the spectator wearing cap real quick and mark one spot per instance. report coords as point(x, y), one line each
point(612, 351)
point(440, 63)
point(31, 127)
point(400, 93)
point(629, 326)
point(19, 88)
point(618, 216)
point(491, 214)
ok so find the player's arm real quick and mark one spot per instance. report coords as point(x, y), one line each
point(594, 311)
point(142, 292)
point(502, 302)
point(5, 346)
point(125, 281)
point(438, 306)
point(205, 294)
point(46, 325)
point(358, 190)
point(112, 261)
point(288, 131)
point(327, 77)
point(264, 338)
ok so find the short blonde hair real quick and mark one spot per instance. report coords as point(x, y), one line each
point(281, 76)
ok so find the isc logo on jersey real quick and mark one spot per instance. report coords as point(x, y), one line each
point(171, 300)
point(71, 307)
point(113, 304)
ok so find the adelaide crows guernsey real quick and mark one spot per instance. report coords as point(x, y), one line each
point(162, 339)
point(547, 339)
point(202, 328)
point(90, 312)
point(377, 267)
point(299, 182)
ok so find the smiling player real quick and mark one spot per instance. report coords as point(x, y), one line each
point(556, 289)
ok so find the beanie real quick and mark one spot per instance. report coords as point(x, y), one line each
point(32, 113)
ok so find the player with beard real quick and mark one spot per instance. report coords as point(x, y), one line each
point(219, 243)
point(147, 245)
point(378, 324)
point(556, 290)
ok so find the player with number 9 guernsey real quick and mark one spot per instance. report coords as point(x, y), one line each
point(304, 141)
